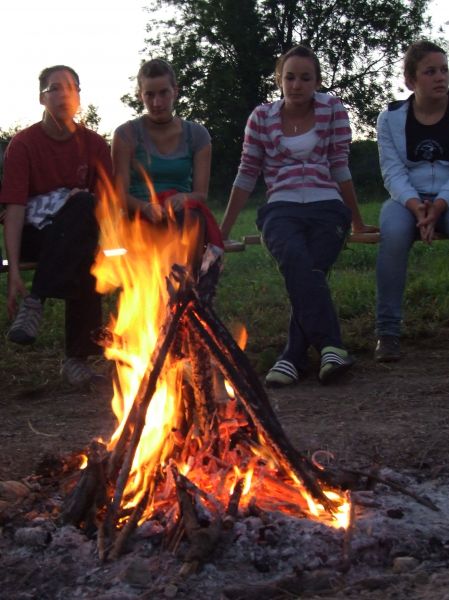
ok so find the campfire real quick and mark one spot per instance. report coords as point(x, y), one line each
point(199, 470)
point(197, 439)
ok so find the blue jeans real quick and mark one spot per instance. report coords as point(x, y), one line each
point(305, 240)
point(398, 231)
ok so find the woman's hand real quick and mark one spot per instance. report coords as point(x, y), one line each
point(428, 217)
point(427, 214)
point(176, 202)
point(153, 212)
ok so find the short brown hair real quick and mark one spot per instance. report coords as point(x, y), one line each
point(156, 67)
point(415, 53)
point(301, 51)
point(45, 74)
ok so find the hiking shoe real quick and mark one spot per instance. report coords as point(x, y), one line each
point(26, 324)
point(282, 373)
point(334, 362)
point(77, 373)
point(387, 349)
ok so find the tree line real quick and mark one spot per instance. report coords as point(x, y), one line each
point(224, 54)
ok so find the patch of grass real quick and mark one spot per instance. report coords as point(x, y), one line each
point(251, 291)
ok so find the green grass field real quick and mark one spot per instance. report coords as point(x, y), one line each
point(251, 292)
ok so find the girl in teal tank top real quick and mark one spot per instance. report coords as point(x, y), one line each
point(173, 153)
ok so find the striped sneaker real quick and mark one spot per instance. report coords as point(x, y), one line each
point(334, 362)
point(26, 324)
point(282, 373)
point(77, 373)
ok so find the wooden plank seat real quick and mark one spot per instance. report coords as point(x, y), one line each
point(230, 246)
point(248, 240)
point(354, 238)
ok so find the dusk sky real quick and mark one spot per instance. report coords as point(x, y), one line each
point(100, 39)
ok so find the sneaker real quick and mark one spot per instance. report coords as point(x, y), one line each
point(387, 349)
point(77, 373)
point(282, 373)
point(26, 324)
point(334, 362)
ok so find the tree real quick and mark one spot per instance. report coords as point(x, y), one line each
point(90, 117)
point(224, 54)
point(5, 138)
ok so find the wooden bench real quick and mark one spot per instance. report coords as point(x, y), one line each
point(354, 238)
point(249, 240)
point(254, 239)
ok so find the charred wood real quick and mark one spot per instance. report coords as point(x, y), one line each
point(258, 408)
point(202, 539)
point(129, 526)
point(339, 475)
point(126, 445)
point(202, 381)
point(90, 492)
point(129, 440)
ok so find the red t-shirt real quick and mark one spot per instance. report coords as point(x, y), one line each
point(35, 163)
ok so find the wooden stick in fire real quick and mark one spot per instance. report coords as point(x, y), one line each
point(202, 382)
point(91, 488)
point(230, 358)
point(202, 538)
point(130, 525)
point(131, 434)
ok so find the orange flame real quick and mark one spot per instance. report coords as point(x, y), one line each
point(134, 260)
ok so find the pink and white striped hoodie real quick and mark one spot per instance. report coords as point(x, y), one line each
point(302, 179)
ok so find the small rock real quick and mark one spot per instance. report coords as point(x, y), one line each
point(136, 573)
point(170, 590)
point(421, 578)
point(403, 564)
point(32, 536)
point(395, 513)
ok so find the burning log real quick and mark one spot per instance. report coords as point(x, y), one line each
point(348, 539)
point(202, 381)
point(233, 506)
point(202, 537)
point(129, 526)
point(90, 493)
point(135, 422)
point(232, 361)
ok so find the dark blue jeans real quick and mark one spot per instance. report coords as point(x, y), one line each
point(65, 251)
point(305, 240)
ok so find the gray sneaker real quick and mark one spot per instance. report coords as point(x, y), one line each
point(78, 373)
point(387, 349)
point(26, 324)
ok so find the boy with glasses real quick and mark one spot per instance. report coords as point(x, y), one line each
point(51, 172)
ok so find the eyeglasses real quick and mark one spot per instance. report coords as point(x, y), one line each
point(56, 88)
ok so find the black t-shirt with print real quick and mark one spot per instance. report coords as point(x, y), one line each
point(427, 142)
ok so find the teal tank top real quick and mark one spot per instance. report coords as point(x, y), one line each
point(166, 173)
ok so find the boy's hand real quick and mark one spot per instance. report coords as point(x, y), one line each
point(16, 288)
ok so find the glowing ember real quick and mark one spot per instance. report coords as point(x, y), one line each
point(196, 430)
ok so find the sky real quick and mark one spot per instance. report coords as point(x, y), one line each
point(101, 39)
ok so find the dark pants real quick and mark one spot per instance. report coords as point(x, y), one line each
point(64, 252)
point(305, 240)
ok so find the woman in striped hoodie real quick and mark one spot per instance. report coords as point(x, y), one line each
point(301, 145)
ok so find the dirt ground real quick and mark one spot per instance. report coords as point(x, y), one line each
point(395, 415)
